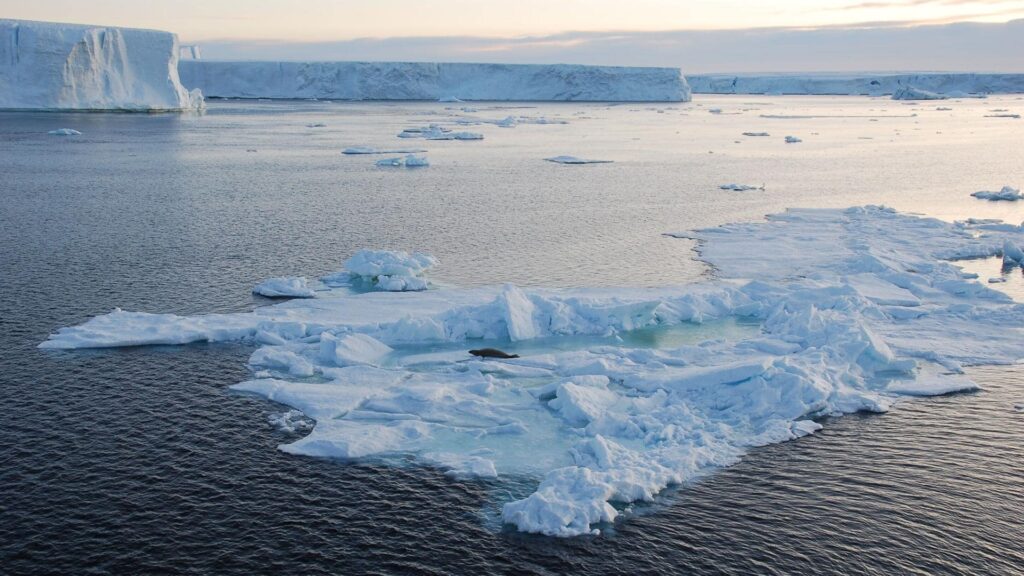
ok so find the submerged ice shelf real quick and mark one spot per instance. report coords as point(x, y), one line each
point(848, 310)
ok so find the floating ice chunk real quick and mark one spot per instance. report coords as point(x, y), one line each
point(276, 358)
point(996, 280)
point(369, 150)
point(290, 421)
point(412, 161)
point(392, 162)
point(575, 160)
point(120, 328)
point(287, 287)
point(453, 136)
point(1012, 254)
point(352, 349)
point(911, 93)
point(1007, 193)
point(933, 385)
point(316, 125)
point(756, 134)
point(740, 187)
point(714, 110)
point(793, 140)
point(392, 271)
point(1014, 116)
point(64, 132)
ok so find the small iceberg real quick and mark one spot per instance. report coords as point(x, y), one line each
point(1012, 255)
point(576, 160)
point(390, 271)
point(1007, 193)
point(369, 150)
point(64, 132)
point(409, 161)
point(756, 134)
point(793, 140)
point(286, 287)
point(316, 125)
point(740, 187)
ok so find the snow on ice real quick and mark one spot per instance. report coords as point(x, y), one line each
point(288, 287)
point(1007, 193)
point(390, 271)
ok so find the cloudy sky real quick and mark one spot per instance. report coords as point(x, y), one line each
point(700, 35)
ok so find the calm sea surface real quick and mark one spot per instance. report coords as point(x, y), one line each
point(141, 461)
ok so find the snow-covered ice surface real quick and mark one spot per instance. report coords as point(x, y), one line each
point(942, 84)
point(285, 287)
point(857, 308)
point(434, 81)
point(387, 270)
point(51, 66)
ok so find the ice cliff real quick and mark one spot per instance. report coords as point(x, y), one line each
point(433, 81)
point(49, 66)
point(950, 84)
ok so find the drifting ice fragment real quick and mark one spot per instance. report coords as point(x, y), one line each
point(575, 160)
point(1012, 254)
point(385, 270)
point(370, 150)
point(1007, 193)
point(792, 140)
point(287, 287)
point(756, 134)
point(64, 132)
point(911, 93)
point(740, 187)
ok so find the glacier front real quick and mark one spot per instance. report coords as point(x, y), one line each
point(952, 85)
point(51, 66)
point(434, 81)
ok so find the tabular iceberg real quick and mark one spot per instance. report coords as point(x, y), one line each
point(434, 81)
point(50, 66)
point(951, 84)
point(856, 308)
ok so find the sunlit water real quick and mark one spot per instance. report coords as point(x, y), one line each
point(140, 460)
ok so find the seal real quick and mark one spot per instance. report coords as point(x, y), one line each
point(492, 353)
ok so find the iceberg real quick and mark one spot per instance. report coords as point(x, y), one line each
point(854, 310)
point(287, 287)
point(434, 81)
point(1006, 193)
point(51, 66)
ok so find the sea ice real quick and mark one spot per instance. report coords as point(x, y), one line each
point(911, 93)
point(356, 150)
point(391, 271)
point(792, 140)
point(64, 132)
point(856, 309)
point(288, 287)
point(575, 160)
point(1007, 193)
point(740, 187)
point(756, 134)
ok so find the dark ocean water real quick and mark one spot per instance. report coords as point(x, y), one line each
point(140, 461)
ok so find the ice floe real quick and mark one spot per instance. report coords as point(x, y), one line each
point(409, 161)
point(757, 134)
point(64, 132)
point(391, 271)
point(740, 187)
point(793, 140)
point(287, 287)
point(1006, 193)
point(575, 160)
point(357, 150)
point(854, 309)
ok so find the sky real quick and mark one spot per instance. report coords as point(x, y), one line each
point(750, 35)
